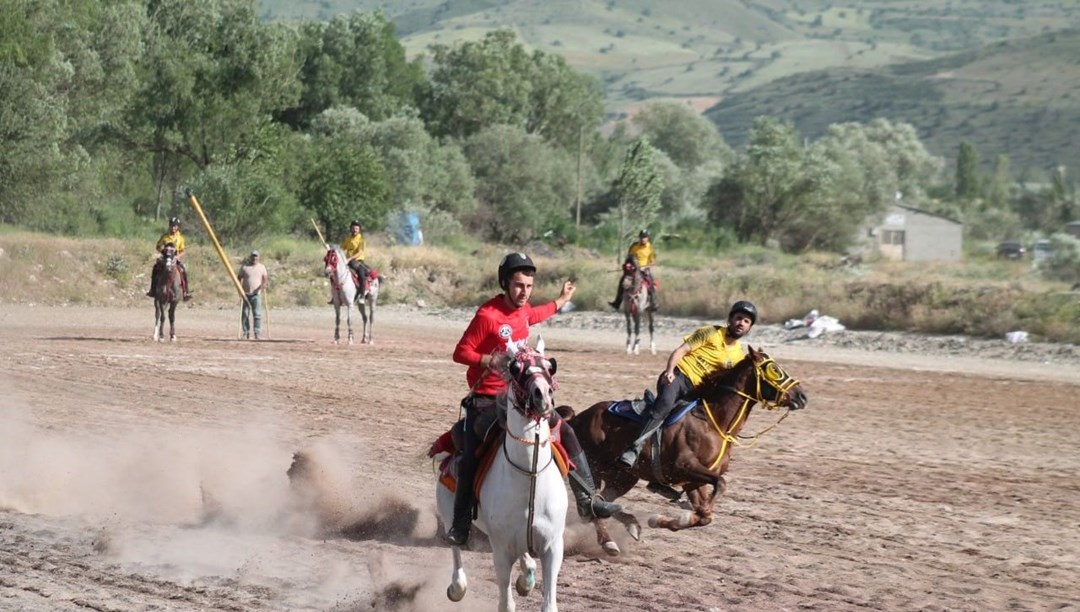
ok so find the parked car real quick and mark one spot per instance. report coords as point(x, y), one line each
point(1010, 249)
point(1041, 250)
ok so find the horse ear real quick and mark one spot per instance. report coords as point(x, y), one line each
point(552, 365)
point(754, 354)
point(540, 345)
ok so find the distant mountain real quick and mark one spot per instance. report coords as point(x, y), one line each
point(1020, 98)
point(992, 72)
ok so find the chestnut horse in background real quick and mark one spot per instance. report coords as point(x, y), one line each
point(691, 452)
point(168, 289)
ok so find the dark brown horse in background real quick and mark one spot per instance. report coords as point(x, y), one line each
point(168, 289)
point(694, 451)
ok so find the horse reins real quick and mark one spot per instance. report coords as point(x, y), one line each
point(748, 401)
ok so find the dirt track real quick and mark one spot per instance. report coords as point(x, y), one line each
point(139, 476)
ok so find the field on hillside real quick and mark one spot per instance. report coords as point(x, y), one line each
point(707, 47)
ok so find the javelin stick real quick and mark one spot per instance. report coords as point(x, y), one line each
point(217, 245)
point(319, 232)
point(266, 311)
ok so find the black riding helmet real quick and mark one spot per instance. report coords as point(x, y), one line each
point(512, 262)
point(356, 223)
point(643, 233)
point(746, 308)
point(174, 221)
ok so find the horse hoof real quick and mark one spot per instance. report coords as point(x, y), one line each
point(525, 584)
point(635, 532)
point(654, 521)
point(455, 592)
point(611, 548)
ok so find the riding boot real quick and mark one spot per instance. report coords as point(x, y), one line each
point(458, 535)
point(652, 302)
point(630, 455)
point(618, 298)
point(589, 504)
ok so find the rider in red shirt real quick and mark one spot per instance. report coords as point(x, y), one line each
point(507, 316)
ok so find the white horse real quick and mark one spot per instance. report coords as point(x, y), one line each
point(342, 289)
point(635, 305)
point(522, 504)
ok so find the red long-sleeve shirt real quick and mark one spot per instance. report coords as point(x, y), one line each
point(493, 324)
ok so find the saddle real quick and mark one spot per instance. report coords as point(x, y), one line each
point(364, 283)
point(637, 410)
point(451, 444)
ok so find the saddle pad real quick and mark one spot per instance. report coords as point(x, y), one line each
point(446, 476)
point(632, 410)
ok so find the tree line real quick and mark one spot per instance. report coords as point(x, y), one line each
point(110, 108)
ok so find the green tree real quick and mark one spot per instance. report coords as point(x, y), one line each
point(353, 61)
point(212, 77)
point(522, 186)
point(689, 139)
point(997, 189)
point(495, 81)
point(772, 191)
point(967, 173)
point(638, 189)
point(345, 181)
point(59, 63)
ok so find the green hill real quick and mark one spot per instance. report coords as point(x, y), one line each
point(1020, 98)
point(992, 72)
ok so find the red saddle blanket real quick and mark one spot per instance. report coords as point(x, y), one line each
point(487, 452)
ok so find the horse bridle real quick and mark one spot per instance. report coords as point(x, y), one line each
point(519, 398)
point(777, 378)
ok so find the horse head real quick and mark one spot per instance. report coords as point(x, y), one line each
point(331, 261)
point(759, 378)
point(168, 256)
point(530, 378)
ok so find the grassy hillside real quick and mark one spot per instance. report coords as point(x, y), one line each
point(944, 67)
point(1020, 98)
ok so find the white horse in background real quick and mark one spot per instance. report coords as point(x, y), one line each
point(523, 501)
point(342, 289)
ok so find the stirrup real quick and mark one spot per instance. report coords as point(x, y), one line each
point(457, 537)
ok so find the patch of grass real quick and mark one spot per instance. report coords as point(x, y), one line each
point(982, 297)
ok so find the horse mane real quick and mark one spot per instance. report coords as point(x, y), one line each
point(721, 380)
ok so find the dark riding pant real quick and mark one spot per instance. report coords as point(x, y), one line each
point(667, 395)
point(362, 272)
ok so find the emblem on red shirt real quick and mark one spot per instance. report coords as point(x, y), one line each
point(505, 331)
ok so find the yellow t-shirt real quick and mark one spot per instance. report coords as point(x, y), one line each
point(353, 245)
point(709, 353)
point(643, 252)
point(177, 239)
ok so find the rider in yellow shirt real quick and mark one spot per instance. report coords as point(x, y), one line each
point(705, 351)
point(353, 245)
point(175, 238)
point(643, 255)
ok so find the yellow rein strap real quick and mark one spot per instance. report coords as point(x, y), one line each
point(748, 402)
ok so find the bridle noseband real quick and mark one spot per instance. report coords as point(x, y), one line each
point(775, 377)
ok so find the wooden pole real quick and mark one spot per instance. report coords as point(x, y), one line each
point(217, 245)
point(319, 232)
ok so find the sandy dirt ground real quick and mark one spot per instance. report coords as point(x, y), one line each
point(145, 476)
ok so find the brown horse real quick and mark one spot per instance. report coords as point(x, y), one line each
point(694, 451)
point(168, 289)
point(635, 305)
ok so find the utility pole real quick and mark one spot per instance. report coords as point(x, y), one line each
point(580, 150)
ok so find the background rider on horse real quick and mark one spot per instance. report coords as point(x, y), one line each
point(507, 317)
point(353, 245)
point(705, 351)
point(176, 239)
point(642, 254)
